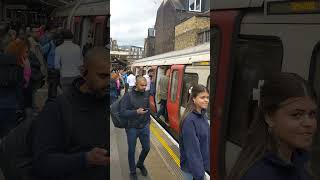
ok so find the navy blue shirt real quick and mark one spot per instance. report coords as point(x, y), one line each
point(272, 167)
point(194, 145)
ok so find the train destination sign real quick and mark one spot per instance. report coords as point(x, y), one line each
point(293, 7)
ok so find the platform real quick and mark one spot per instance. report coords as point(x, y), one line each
point(162, 161)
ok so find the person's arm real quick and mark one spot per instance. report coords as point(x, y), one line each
point(124, 107)
point(49, 145)
point(192, 149)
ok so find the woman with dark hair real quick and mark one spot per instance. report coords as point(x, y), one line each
point(278, 140)
point(195, 135)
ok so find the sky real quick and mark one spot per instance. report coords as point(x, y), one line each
point(130, 20)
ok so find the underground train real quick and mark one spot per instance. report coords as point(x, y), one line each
point(187, 67)
point(250, 39)
point(87, 19)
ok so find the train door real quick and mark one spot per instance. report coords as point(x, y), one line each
point(222, 21)
point(152, 96)
point(259, 45)
point(77, 29)
point(161, 70)
point(314, 78)
point(174, 96)
point(99, 30)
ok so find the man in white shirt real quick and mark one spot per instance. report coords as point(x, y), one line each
point(131, 80)
point(68, 60)
point(148, 77)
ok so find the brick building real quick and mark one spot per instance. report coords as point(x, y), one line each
point(149, 43)
point(192, 32)
point(173, 12)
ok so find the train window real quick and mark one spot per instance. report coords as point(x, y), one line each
point(174, 85)
point(76, 32)
point(255, 58)
point(214, 54)
point(315, 79)
point(98, 40)
point(189, 80)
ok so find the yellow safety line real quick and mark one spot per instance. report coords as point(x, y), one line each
point(164, 144)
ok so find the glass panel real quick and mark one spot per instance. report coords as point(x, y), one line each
point(174, 86)
point(189, 80)
point(198, 8)
point(98, 40)
point(191, 5)
point(254, 59)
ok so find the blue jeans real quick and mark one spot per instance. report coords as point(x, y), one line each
point(144, 135)
point(187, 176)
point(163, 109)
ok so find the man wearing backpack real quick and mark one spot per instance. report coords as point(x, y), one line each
point(75, 146)
point(135, 108)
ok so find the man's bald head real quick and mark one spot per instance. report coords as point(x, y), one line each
point(141, 83)
point(96, 55)
point(140, 79)
point(95, 70)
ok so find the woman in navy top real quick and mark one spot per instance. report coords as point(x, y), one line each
point(195, 135)
point(279, 138)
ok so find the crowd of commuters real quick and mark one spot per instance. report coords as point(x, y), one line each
point(47, 57)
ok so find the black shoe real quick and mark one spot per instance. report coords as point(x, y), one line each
point(133, 176)
point(143, 170)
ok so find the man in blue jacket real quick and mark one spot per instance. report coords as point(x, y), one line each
point(135, 107)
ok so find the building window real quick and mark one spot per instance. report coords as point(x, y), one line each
point(195, 5)
point(204, 37)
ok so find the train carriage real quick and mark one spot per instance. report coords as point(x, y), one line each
point(250, 39)
point(187, 67)
point(89, 21)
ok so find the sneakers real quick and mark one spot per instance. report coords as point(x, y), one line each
point(143, 170)
point(133, 176)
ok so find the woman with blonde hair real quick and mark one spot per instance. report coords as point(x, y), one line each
point(278, 141)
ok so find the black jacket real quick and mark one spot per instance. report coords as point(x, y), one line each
point(129, 106)
point(53, 155)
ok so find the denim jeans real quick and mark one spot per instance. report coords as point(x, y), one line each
point(163, 109)
point(132, 135)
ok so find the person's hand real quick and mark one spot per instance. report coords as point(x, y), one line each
point(98, 156)
point(140, 111)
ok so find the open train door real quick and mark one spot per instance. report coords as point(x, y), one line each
point(152, 96)
point(174, 96)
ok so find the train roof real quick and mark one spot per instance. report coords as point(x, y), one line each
point(223, 4)
point(198, 53)
point(85, 8)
